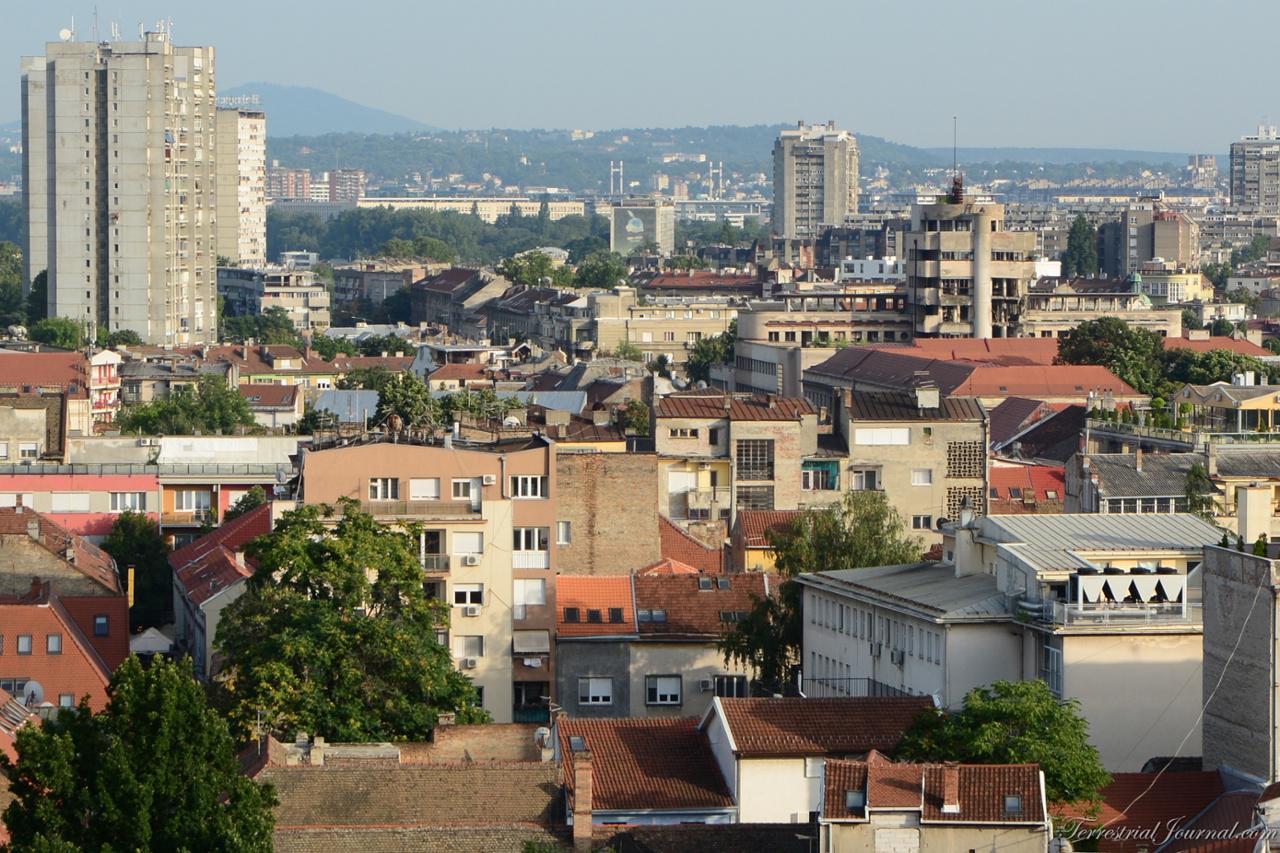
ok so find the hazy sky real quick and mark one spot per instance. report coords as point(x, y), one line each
point(1170, 75)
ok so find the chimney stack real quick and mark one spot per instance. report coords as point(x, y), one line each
point(950, 788)
point(1137, 460)
point(582, 800)
point(1211, 451)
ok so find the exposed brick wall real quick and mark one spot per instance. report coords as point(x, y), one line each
point(425, 839)
point(609, 500)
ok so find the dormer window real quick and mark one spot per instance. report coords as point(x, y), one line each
point(1013, 805)
point(855, 801)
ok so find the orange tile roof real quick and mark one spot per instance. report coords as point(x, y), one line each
point(266, 395)
point(89, 559)
point(1173, 797)
point(1059, 380)
point(1001, 351)
point(1217, 342)
point(594, 594)
point(459, 371)
point(210, 563)
point(646, 764)
point(77, 669)
point(668, 567)
point(1035, 481)
point(43, 370)
point(755, 524)
point(698, 605)
point(980, 791)
point(709, 404)
point(848, 726)
point(13, 716)
point(677, 545)
point(1229, 826)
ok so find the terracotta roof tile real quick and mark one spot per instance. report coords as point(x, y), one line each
point(262, 395)
point(593, 601)
point(1218, 342)
point(1026, 488)
point(755, 524)
point(646, 763)
point(77, 669)
point(210, 564)
point(980, 791)
point(1061, 380)
point(1174, 796)
point(459, 371)
point(678, 545)
point(668, 567)
point(13, 716)
point(697, 605)
point(707, 404)
point(1007, 351)
point(43, 370)
point(846, 726)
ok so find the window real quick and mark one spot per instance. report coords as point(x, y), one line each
point(864, 479)
point(468, 543)
point(593, 616)
point(595, 691)
point(66, 700)
point(191, 500)
point(615, 615)
point(572, 615)
point(683, 432)
point(731, 686)
point(53, 644)
point(4, 451)
point(424, 489)
point(662, 689)
point(921, 522)
point(817, 480)
point(530, 592)
point(530, 538)
point(1015, 492)
point(922, 477)
point(706, 583)
point(732, 615)
point(564, 532)
point(755, 459)
point(101, 626)
point(384, 489)
point(24, 644)
point(462, 490)
point(468, 593)
point(468, 646)
point(69, 502)
point(1012, 804)
point(13, 686)
point(1052, 494)
point(28, 450)
point(529, 487)
point(713, 436)
point(755, 497)
point(646, 615)
point(128, 501)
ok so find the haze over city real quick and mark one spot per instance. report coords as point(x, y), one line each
point(1163, 76)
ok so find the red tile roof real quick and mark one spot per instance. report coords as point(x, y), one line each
point(1236, 345)
point(754, 525)
point(675, 544)
point(269, 396)
point(459, 371)
point(980, 791)
point(709, 404)
point(77, 669)
point(1228, 826)
point(1173, 797)
point(13, 716)
point(1031, 481)
point(792, 727)
point(646, 764)
point(212, 562)
point(668, 567)
point(594, 594)
point(996, 351)
point(1061, 380)
point(43, 370)
point(698, 606)
point(87, 558)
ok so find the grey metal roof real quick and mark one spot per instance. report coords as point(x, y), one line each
point(901, 406)
point(929, 588)
point(1261, 462)
point(350, 406)
point(1094, 532)
point(1162, 475)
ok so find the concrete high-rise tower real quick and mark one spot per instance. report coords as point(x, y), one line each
point(119, 178)
point(1255, 171)
point(242, 187)
point(815, 179)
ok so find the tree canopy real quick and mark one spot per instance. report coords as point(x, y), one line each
point(252, 499)
point(210, 408)
point(336, 636)
point(601, 268)
point(1012, 722)
point(135, 540)
point(534, 268)
point(272, 326)
point(709, 352)
point(156, 770)
point(1081, 256)
point(860, 531)
point(58, 332)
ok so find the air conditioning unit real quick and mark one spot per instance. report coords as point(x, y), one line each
point(490, 479)
point(471, 560)
point(471, 610)
point(706, 685)
point(468, 663)
point(875, 649)
point(898, 656)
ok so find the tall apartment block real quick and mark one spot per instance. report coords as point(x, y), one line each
point(283, 182)
point(1147, 230)
point(1255, 171)
point(815, 179)
point(346, 185)
point(242, 187)
point(966, 275)
point(118, 165)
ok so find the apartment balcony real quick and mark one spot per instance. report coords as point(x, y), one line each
point(464, 510)
point(531, 559)
point(1136, 615)
point(434, 564)
point(186, 518)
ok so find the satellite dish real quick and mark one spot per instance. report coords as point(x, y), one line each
point(33, 693)
point(64, 34)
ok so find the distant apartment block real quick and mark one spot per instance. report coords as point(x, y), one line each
point(286, 183)
point(488, 208)
point(815, 179)
point(637, 224)
point(1255, 171)
point(346, 185)
point(1149, 230)
point(242, 186)
point(249, 292)
point(119, 144)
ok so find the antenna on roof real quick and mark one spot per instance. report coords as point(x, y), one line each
point(955, 140)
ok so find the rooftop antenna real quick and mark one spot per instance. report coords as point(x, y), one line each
point(955, 139)
point(95, 24)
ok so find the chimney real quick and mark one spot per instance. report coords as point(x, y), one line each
point(1137, 460)
point(927, 395)
point(951, 788)
point(582, 800)
point(601, 417)
point(33, 527)
point(36, 588)
point(317, 752)
point(1211, 451)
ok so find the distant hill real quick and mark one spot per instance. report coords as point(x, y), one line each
point(1057, 156)
point(303, 111)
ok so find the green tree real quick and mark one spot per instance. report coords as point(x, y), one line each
point(406, 396)
point(38, 298)
point(1245, 297)
point(1217, 273)
point(1221, 327)
point(1014, 722)
point(252, 499)
point(529, 268)
point(368, 378)
point(58, 332)
point(635, 417)
point(661, 366)
point(627, 351)
point(601, 269)
point(1260, 546)
point(390, 344)
point(335, 635)
point(210, 408)
point(124, 338)
point(1081, 256)
point(1191, 320)
point(135, 540)
point(13, 308)
point(1198, 489)
point(329, 348)
point(155, 770)
point(709, 352)
point(272, 326)
point(1135, 355)
point(862, 530)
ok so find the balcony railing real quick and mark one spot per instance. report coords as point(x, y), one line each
point(189, 516)
point(1111, 613)
point(530, 560)
point(1194, 435)
point(435, 563)
point(420, 509)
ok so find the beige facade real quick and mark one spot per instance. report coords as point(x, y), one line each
point(242, 186)
point(487, 547)
point(815, 179)
point(297, 292)
point(668, 326)
point(903, 830)
point(1051, 313)
point(966, 275)
point(119, 154)
point(696, 664)
point(487, 208)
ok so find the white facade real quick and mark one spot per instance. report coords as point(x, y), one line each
point(242, 187)
point(119, 163)
point(872, 269)
point(767, 790)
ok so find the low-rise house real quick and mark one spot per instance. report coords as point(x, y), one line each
point(142, 381)
point(275, 364)
point(274, 406)
point(752, 549)
point(879, 805)
point(1098, 606)
point(1026, 489)
point(86, 396)
point(454, 297)
point(209, 574)
point(53, 664)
